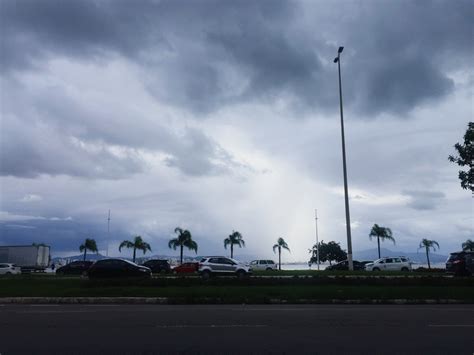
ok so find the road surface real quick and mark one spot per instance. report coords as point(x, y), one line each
point(236, 329)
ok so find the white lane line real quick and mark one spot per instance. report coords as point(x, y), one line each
point(44, 305)
point(213, 326)
point(51, 312)
point(451, 325)
point(275, 309)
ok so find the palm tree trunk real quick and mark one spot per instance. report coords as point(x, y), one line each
point(378, 245)
point(85, 251)
point(231, 250)
point(134, 253)
point(181, 255)
point(279, 258)
point(428, 258)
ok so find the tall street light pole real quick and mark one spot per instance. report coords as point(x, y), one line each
point(346, 192)
point(317, 237)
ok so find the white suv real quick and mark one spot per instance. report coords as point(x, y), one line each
point(390, 264)
point(9, 269)
point(220, 265)
point(263, 265)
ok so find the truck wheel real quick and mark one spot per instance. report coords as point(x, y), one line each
point(405, 269)
point(206, 275)
point(269, 269)
point(375, 269)
point(241, 274)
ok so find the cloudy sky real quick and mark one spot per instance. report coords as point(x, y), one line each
point(223, 115)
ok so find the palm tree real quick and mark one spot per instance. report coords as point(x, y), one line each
point(280, 244)
point(427, 244)
point(381, 233)
point(137, 243)
point(89, 244)
point(184, 240)
point(234, 238)
point(468, 245)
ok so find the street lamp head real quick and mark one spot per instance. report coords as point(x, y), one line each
point(340, 50)
point(336, 59)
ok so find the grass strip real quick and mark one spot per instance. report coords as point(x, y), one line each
point(231, 293)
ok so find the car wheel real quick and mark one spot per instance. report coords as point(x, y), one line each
point(375, 269)
point(8, 273)
point(405, 269)
point(175, 272)
point(241, 274)
point(206, 275)
point(269, 269)
point(59, 273)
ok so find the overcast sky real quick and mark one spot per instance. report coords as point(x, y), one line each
point(224, 115)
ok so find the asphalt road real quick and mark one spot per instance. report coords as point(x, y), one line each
point(276, 329)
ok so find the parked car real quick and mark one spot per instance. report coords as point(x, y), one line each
point(263, 265)
point(344, 265)
point(9, 269)
point(186, 268)
point(117, 268)
point(461, 263)
point(158, 266)
point(74, 268)
point(220, 265)
point(390, 264)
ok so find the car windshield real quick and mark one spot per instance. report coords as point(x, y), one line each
point(454, 256)
point(128, 261)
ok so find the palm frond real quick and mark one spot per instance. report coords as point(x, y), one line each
point(275, 247)
point(125, 244)
point(192, 245)
point(173, 243)
point(227, 242)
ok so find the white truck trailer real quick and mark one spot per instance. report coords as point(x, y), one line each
point(28, 257)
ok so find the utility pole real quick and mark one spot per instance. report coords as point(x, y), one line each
point(346, 189)
point(108, 234)
point(317, 238)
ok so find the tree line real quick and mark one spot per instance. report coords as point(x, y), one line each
point(183, 240)
point(330, 252)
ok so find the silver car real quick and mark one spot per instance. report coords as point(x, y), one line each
point(401, 263)
point(9, 269)
point(263, 265)
point(220, 265)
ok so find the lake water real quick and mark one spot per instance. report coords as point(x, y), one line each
point(304, 266)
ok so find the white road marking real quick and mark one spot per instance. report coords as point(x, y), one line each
point(213, 326)
point(44, 305)
point(51, 312)
point(451, 325)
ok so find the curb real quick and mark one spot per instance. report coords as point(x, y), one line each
point(170, 301)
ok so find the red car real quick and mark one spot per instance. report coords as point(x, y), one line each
point(186, 268)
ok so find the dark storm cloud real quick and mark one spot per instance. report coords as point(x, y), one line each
point(96, 144)
point(60, 235)
point(424, 200)
point(397, 53)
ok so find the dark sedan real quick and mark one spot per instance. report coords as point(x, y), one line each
point(158, 266)
point(344, 265)
point(74, 268)
point(112, 268)
point(461, 263)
